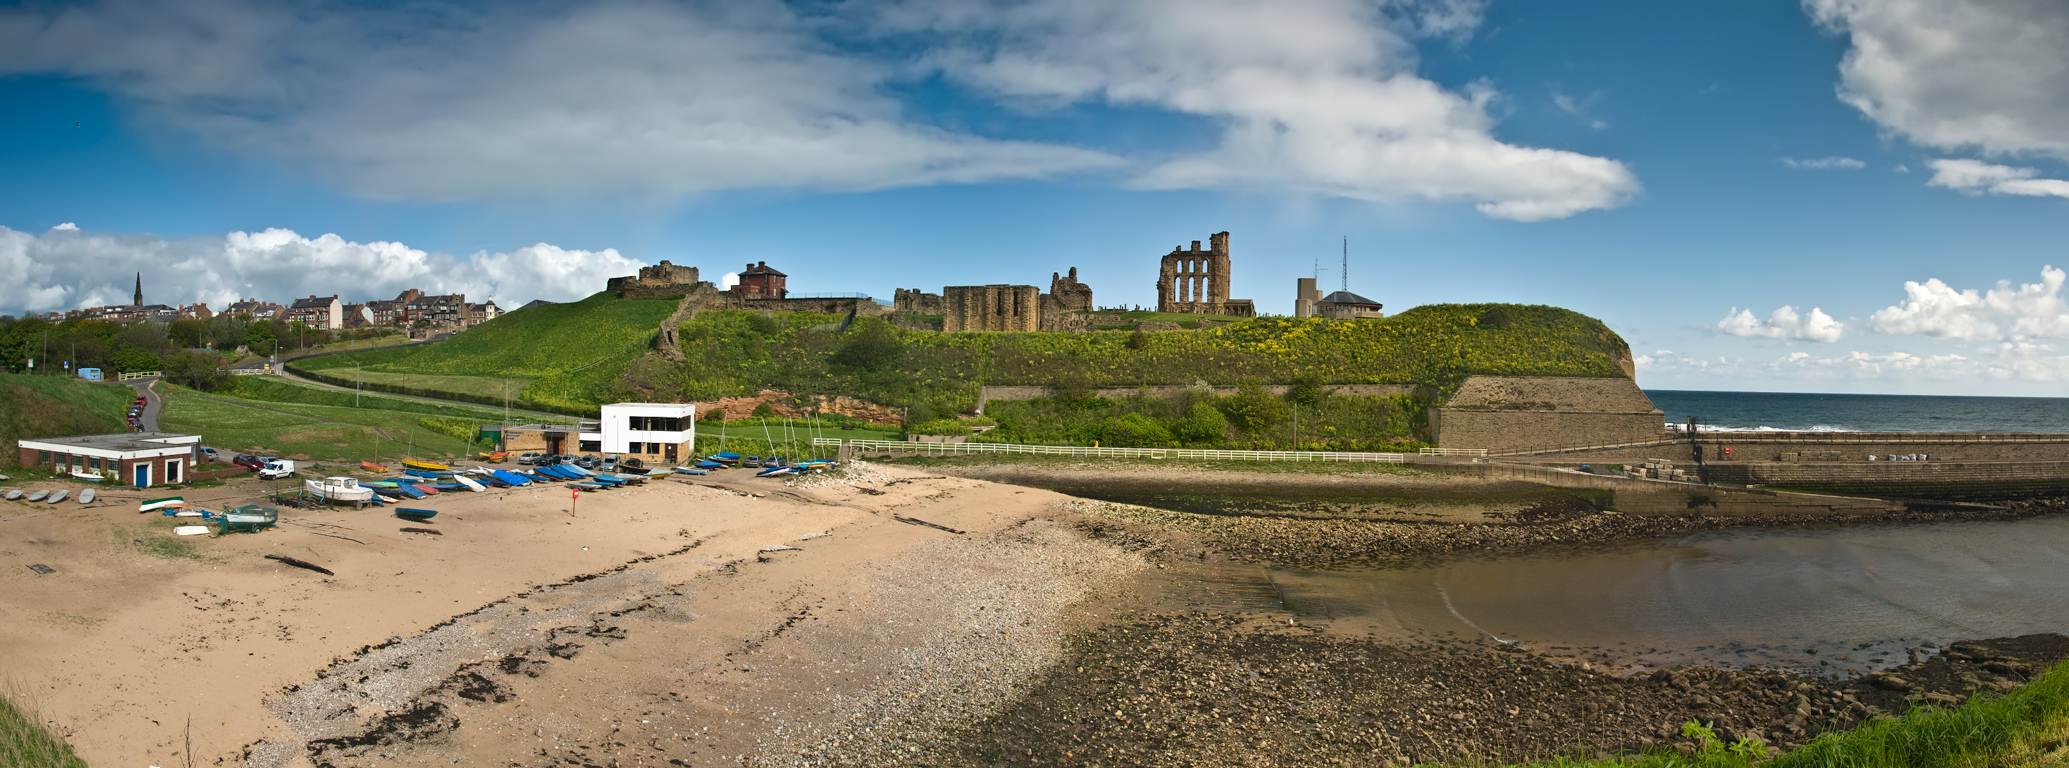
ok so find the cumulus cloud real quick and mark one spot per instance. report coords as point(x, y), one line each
point(1783, 323)
point(1825, 164)
point(1952, 74)
point(72, 268)
point(2008, 314)
point(1972, 177)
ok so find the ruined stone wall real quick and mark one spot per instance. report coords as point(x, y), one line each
point(991, 308)
point(663, 279)
point(916, 302)
point(1507, 414)
point(1196, 281)
point(1069, 294)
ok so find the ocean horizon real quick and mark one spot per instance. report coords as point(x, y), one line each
point(1822, 412)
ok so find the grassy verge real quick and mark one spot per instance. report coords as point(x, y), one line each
point(318, 432)
point(25, 742)
point(51, 406)
point(2026, 727)
point(476, 386)
point(1108, 463)
point(278, 390)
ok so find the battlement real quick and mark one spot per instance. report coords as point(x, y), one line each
point(663, 279)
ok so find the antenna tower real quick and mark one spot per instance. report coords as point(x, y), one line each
point(1346, 264)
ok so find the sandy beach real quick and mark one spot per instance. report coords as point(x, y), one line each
point(650, 623)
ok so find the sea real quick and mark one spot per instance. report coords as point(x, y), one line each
point(1802, 412)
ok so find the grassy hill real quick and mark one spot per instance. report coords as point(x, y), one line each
point(52, 406)
point(562, 357)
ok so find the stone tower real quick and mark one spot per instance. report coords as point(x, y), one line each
point(139, 289)
point(1196, 281)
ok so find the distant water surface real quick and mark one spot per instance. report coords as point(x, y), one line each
point(1863, 413)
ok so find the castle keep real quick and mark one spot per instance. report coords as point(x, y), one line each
point(1195, 282)
point(663, 279)
point(991, 308)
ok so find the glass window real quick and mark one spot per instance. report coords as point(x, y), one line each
point(42, 457)
point(591, 445)
point(94, 463)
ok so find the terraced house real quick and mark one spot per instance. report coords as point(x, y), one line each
point(320, 312)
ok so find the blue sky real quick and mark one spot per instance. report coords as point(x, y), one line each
point(1743, 190)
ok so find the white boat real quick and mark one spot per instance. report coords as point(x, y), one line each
point(59, 496)
point(86, 496)
point(38, 495)
point(14, 493)
point(471, 485)
point(155, 504)
point(339, 490)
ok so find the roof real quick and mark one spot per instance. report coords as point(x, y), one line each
point(1346, 297)
point(131, 441)
point(315, 302)
point(762, 269)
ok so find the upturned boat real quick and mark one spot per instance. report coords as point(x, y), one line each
point(415, 514)
point(59, 496)
point(155, 504)
point(429, 466)
point(37, 495)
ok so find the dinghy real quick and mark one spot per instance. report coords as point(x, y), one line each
point(169, 501)
point(426, 474)
point(250, 518)
point(693, 471)
point(415, 514)
point(408, 491)
point(372, 467)
point(14, 493)
point(86, 496)
point(469, 484)
point(37, 495)
point(512, 477)
point(59, 496)
point(429, 466)
point(424, 488)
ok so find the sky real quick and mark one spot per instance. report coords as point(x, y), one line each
point(1820, 196)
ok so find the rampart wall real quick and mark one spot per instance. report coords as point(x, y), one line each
point(1508, 414)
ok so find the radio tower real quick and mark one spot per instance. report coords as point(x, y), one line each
point(1346, 264)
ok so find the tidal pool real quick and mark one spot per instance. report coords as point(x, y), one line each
point(1826, 601)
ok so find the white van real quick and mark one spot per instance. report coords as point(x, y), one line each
point(276, 469)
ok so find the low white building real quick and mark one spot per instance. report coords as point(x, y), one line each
point(650, 431)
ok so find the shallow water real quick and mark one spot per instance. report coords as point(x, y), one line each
point(1861, 597)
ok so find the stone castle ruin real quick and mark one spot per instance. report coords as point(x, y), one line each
point(1195, 282)
point(1066, 294)
point(663, 279)
point(991, 308)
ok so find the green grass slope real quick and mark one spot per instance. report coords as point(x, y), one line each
point(53, 406)
point(566, 356)
point(736, 352)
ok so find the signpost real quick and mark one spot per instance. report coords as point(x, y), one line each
point(571, 504)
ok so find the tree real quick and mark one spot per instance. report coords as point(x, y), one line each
point(130, 358)
point(871, 345)
point(200, 370)
point(1253, 410)
point(188, 333)
point(1202, 425)
point(1306, 391)
point(228, 331)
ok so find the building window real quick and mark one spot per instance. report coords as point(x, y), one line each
point(591, 445)
point(94, 463)
point(42, 458)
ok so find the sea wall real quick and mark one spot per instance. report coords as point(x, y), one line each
point(1511, 414)
point(1657, 497)
point(1828, 447)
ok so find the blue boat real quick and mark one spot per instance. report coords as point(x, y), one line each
point(708, 464)
point(415, 514)
point(571, 472)
point(776, 472)
point(606, 479)
point(404, 489)
point(577, 469)
point(421, 473)
point(511, 477)
point(549, 473)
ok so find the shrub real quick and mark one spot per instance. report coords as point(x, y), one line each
point(1134, 431)
point(939, 427)
point(1253, 410)
point(1202, 425)
point(763, 410)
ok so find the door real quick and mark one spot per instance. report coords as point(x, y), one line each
point(671, 451)
point(143, 475)
point(172, 471)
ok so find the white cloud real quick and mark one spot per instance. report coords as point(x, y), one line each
point(65, 227)
point(1316, 96)
point(729, 280)
point(1952, 74)
point(2004, 314)
point(430, 102)
point(1580, 109)
point(69, 269)
point(1783, 323)
point(1825, 164)
point(663, 100)
point(1972, 177)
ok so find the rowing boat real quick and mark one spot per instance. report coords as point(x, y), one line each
point(426, 465)
point(14, 493)
point(86, 496)
point(169, 501)
point(37, 495)
point(415, 514)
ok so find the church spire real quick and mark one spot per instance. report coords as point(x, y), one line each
point(139, 289)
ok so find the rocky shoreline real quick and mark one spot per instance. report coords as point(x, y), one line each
point(1214, 689)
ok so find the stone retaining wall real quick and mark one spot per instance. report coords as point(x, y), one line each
point(989, 394)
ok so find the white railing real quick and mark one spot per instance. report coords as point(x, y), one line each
point(1454, 451)
point(963, 449)
point(143, 375)
point(255, 372)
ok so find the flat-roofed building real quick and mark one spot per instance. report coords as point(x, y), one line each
point(651, 432)
point(140, 459)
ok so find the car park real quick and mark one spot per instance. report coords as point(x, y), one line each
point(610, 464)
point(751, 461)
point(588, 461)
point(529, 459)
point(249, 461)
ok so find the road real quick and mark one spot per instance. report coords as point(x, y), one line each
point(153, 404)
point(557, 417)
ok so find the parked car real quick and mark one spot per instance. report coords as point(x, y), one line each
point(751, 461)
point(208, 454)
point(141, 400)
point(610, 464)
point(249, 461)
point(588, 461)
point(530, 459)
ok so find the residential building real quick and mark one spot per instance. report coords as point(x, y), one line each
point(357, 316)
point(141, 459)
point(319, 312)
point(759, 281)
point(482, 313)
point(255, 309)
